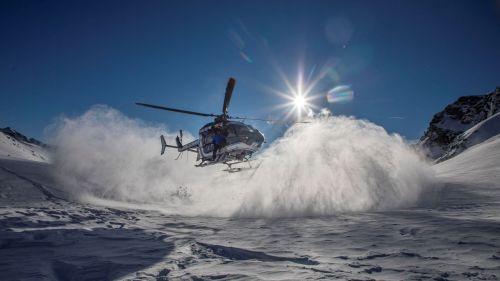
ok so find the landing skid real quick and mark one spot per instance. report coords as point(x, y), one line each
point(230, 168)
point(229, 164)
point(234, 170)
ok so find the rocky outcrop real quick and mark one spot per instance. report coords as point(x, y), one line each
point(447, 126)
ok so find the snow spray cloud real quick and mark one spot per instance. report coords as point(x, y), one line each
point(335, 164)
point(105, 154)
point(332, 165)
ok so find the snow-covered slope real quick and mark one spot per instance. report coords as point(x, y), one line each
point(14, 145)
point(478, 165)
point(447, 126)
point(47, 233)
point(481, 132)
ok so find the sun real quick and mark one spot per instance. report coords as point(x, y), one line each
point(298, 97)
point(299, 101)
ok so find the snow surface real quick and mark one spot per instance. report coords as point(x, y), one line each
point(478, 165)
point(47, 232)
point(16, 149)
point(481, 132)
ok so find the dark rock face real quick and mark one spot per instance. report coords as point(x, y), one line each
point(20, 137)
point(446, 126)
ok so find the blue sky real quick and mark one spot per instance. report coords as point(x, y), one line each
point(404, 60)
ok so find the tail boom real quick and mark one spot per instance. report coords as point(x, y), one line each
point(181, 148)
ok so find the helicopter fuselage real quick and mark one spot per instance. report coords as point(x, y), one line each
point(241, 141)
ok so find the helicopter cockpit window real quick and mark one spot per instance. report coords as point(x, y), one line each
point(237, 132)
point(234, 133)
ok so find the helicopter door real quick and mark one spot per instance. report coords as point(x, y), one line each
point(207, 142)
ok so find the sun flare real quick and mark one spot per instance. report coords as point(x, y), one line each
point(299, 101)
point(299, 96)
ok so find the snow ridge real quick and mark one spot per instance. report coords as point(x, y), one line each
point(444, 134)
point(14, 145)
point(481, 132)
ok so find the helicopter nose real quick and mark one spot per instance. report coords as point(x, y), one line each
point(260, 138)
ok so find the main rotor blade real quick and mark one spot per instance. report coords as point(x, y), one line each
point(250, 118)
point(176, 110)
point(228, 94)
point(268, 120)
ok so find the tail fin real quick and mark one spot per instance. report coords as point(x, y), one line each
point(163, 144)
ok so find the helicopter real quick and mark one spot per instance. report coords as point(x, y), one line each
point(240, 140)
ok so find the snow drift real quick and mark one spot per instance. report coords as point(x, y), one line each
point(478, 166)
point(334, 164)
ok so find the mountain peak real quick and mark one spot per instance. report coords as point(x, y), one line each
point(456, 118)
